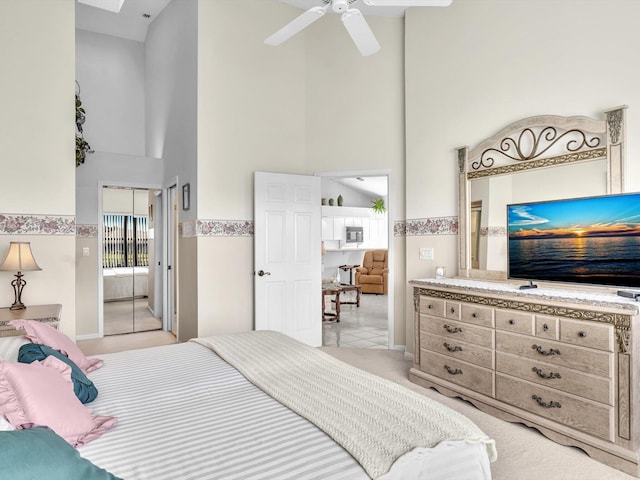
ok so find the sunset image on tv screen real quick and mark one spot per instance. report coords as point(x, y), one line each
point(583, 240)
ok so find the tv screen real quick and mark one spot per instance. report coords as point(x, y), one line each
point(593, 240)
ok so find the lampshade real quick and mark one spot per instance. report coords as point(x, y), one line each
point(19, 258)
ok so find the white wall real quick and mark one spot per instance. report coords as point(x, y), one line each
point(171, 51)
point(110, 71)
point(35, 142)
point(251, 117)
point(37, 146)
point(472, 68)
point(269, 108)
point(350, 196)
point(355, 118)
point(111, 74)
point(172, 132)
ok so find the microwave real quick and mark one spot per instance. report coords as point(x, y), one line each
point(354, 234)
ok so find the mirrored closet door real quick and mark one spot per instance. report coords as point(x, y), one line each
point(127, 254)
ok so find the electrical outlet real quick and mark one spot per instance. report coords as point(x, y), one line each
point(85, 251)
point(426, 254)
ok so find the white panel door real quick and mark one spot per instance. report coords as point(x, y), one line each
point(287, 255)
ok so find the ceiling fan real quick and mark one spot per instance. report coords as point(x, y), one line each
point(352, 18)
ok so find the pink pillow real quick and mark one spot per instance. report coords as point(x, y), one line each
point(42, 333)
point(41, 394)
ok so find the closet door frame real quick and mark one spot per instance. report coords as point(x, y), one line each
point(101, 186)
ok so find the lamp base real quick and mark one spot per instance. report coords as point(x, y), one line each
point(17, 306)
point(18, 284)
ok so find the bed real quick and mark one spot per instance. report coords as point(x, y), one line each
point(125, 282)
point(185, 412)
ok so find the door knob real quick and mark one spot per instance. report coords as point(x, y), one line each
point(262, 273)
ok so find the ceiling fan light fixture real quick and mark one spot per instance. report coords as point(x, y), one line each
point(340, 6)
point(408, 3)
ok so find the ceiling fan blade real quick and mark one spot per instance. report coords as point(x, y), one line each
point(295, 26)
point(360, 33)
point(408, 3)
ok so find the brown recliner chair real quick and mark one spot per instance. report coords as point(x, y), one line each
point(372, 275)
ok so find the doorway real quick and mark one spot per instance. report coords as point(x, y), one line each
point(348, 199)
point(129, 257)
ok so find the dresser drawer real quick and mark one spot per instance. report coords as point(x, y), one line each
point(547, 327)
point(590, 417)
point(556, 353)
point(587, 334)
point(432, 306)
point(517, 322)
point(461, 373)
point(474, 314)
point(599, 389)
point(452, 310)
point(457, 331)
point(456, 349)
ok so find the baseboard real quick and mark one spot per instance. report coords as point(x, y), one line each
point(408, 356)
point(90, 336)
point(397, 347)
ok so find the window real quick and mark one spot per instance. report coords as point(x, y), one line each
point(126, 241)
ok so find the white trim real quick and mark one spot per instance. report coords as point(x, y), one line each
point(166, 317)
point(409, 356)
point(391, 294)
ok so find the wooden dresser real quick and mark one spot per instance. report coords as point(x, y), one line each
point(558, 360)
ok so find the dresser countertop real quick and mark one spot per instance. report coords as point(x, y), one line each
point(608, 300)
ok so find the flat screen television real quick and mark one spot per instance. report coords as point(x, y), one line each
point(592, 240)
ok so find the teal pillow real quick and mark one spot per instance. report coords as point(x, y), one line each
point(38, 453)
point(84, 388)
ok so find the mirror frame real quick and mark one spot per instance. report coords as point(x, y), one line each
point(573, 140)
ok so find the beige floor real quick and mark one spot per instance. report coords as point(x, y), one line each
point(130, 341)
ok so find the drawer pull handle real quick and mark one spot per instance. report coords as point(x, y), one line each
point(546, 353)
point(582, 334)
point(453, 310)
point(452, 349)
point(451, 371)
point(545, 327)
point(512, 322)
point(474, 315)
point(451, 329)
point(544, 404)
point(429, 306)
point(541, 373)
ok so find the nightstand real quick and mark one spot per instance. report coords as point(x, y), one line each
point(49, 314)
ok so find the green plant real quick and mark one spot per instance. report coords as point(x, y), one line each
point(82, 146)
point(378, 206)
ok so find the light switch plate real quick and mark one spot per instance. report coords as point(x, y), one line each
point(85, 251)
point(426, 254)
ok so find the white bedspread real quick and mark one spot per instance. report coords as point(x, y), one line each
point(374, 419)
